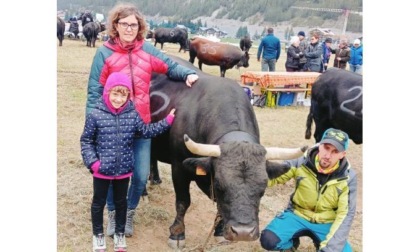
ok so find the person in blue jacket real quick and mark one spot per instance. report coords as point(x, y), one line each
point(270, 49)
point(107, 150)
point(326, 53)
point(356, 57)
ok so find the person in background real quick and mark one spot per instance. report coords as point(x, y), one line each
point(126, 51)
point(293, 55)
point(313, 55)
point(326, 53)
point(356, 57)
point(323, 204)
point(302, 46)
point(270, 49)
point(342, 55)
point(106, 146)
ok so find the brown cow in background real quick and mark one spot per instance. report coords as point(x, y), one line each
point(217, 54)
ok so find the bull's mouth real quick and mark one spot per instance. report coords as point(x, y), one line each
point(241, 233)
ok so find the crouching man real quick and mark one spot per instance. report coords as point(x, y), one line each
point(324, 201)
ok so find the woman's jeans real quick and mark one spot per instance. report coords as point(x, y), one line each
point(140, 174)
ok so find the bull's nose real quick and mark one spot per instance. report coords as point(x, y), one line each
point(243, 233)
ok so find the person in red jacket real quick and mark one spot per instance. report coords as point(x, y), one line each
point(106, 145)
point(127, 51)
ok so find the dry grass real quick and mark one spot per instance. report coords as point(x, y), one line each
point(283, 127)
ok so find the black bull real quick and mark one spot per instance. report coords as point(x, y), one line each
point(91, 31)
point(61, 26)
point(171, 35)
point(216, 112)
point(337, 102)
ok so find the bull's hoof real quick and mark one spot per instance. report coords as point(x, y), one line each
point(155, 181)
point(176, 244)
point(221, 240)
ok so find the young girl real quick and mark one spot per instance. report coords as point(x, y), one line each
point(107, 151)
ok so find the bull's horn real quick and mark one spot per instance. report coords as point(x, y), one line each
point(275, 153)
point(210, 150)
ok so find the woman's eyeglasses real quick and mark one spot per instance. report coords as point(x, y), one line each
point(126, 25)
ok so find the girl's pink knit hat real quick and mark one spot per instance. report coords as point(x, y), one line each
point(116, 79)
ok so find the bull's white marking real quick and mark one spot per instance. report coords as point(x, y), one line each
point(165, 99)
point(352, 112)
point(207, 48)
point(172, 33)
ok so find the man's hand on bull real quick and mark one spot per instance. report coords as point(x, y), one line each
point(191, 79)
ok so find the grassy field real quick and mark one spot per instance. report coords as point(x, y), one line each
point(283, 127)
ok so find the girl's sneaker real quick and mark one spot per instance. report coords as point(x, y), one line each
point(119, 242)
point(99, 243)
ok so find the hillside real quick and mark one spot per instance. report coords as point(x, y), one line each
point(249, 12)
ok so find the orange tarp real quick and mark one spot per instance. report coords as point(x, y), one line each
point(276, 79)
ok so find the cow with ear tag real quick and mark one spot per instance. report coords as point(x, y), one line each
point(226, 159)
point(238, 184)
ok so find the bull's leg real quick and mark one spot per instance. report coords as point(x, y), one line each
point(93, 41)
point(192, 58)
point(308, 126)
point(321, 119)
point(320, 126)
point(154, 172)
point(222, 71)
point(200, 64)
point(156, 43)
point(182, 203)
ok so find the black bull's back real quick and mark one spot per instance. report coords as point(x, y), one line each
point(206, 111)
point(337, 101)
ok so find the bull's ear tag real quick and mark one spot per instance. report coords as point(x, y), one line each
point(200, 171)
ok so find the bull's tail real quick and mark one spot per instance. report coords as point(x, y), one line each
point(309, 124)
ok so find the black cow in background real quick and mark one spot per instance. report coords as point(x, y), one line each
point(245, 43)
point(86, 17)
point(337, 102)
point(227, 162)
point(171, 35)
point(61, 26)
point(91, 31)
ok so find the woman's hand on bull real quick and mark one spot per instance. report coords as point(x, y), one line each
point(191, 79)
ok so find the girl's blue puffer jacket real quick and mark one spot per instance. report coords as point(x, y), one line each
point(108, 137)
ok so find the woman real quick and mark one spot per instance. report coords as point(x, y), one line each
point(293, 55)
point(126, 51)
point(342, 55)
point(313, 55)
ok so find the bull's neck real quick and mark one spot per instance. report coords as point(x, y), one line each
point(237, 136)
